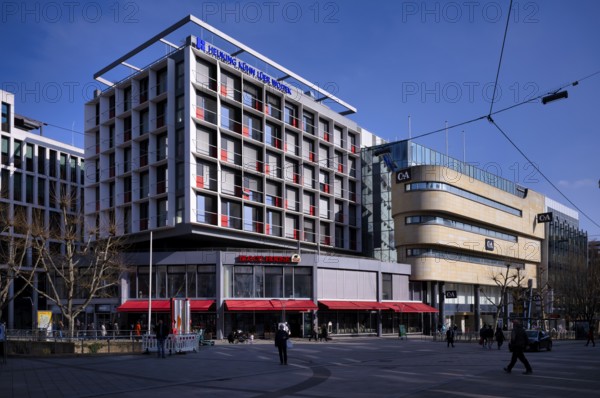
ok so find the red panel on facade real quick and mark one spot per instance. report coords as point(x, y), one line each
point(248, 305)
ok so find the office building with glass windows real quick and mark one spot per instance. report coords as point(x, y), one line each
point(458, 226)
point(237, 183)
point(36, 173)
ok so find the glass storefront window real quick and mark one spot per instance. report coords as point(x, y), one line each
point(273, 281)
point(302, 283)
point(288, 282)
point(176, 279)
point(207, 281)
point(242, 282)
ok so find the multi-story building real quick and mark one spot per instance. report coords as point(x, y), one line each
point(458, 226)
point(34, 172)
point(210, 148)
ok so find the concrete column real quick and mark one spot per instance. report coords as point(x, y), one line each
point(435, 303)
point(441, 298)
point(476, 310)
point(219, 296)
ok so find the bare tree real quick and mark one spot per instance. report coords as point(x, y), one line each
point(13, 254)
point(506, 279)
point(77, 269)
point(577, 293)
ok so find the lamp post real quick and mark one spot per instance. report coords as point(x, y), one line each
point(150, 286)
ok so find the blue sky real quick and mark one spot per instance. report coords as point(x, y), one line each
point(433, 60)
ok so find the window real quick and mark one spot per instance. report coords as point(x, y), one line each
point(161, 147)
point(111, 106)
point(291, 199)
point(29, 157)
point(144, 122)
point(291, 227)
point(161, 114)
point(231, 150)
point(179, 76)
point(205, 74)
point(324, 130)
point(309, 176)
point(308, 203)
point(127, 220)
point(273, 136)
point(252, 127)
point(206, 281)
point(231, 214)
point(291, 142)
point(18, 153)
point(290, 115)
point(144, 184)
point(29, 189)
point(252, 219)
point(5, 117)
point(4, 183)
point(273, 165)
point(386, 286)
point(41, 160)
point(127, 129)
point(324, 208)
point(144, 153)
point(308, 150)
point(339, 236)
point(229, 118)
point(291, 171)
point(324, 234)
point(6, 151)
point(252, 97)
point(161, 179)
point(338, 190)
point(206, 175)
point(127, 189)
point(252, 188)
point(17, 188)
point(144, 90)
point(309, 231)
point(206, 209)
point(324, 182)
point(206, 108)
point(337, 137)
point(273, 194)
point(161, 81)
point(73, 167)
point(308, 123)
point(273, 106)
point(126, 99)
point(41, 191)
point(63, 166)
point(161, 212)
point(273, 223)
point(127, 160)
point(206, 142)
point(143, 216)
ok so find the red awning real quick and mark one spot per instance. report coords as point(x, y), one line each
point(248, 305)
point(270, 305)
point(142, 306)
point(408, 306)
point(201, 305)
point(294, 305)
point(354, 305)
point(162, 305)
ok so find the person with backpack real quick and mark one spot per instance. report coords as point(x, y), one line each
point(518, 343)
point(499, 336)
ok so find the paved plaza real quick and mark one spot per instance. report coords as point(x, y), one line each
point(359, 367)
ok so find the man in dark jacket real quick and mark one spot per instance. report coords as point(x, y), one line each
point(162, 332)
point(518, 342)
point(281, 338)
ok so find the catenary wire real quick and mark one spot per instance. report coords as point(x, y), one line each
point(501, 54)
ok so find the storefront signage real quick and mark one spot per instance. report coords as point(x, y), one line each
point(266, 259)
point(451, 294)
point(240, 65)
point(403, 175)
point(489, 245)
point(545, 217)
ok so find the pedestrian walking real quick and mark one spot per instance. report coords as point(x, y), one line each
point(314, 333)
point(499, 336)
point(138, 330)
point(450, 337)
point(281, 339)
point(162, 332)
point(518, 342)
point(591, 337)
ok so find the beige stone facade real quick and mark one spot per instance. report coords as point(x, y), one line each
point(467, 213)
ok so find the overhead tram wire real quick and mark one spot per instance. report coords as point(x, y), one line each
point(541, 173)
point(501, 54)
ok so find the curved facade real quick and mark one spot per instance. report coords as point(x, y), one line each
point(458, 232)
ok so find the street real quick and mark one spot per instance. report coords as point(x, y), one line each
point(359, 367)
